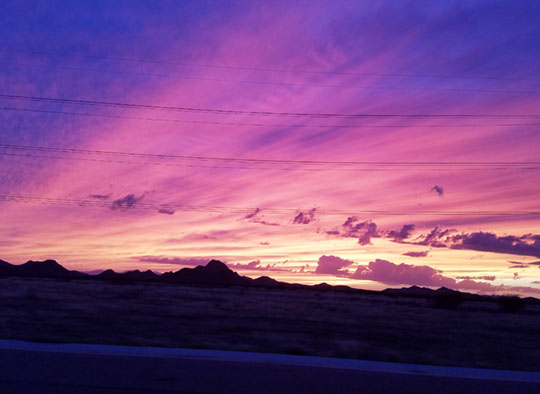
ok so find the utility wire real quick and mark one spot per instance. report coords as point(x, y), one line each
point(210, 166)
point(214, 111)
point(263, 124)
point(347, 85)
point(64, 150)
point(244, 210)
point(277, 70)
point(319, 169)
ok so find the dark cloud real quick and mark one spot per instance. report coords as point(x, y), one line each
point(175, 260)
point(416, 254)
point(255, 218)
point(332, 232)
point(253, 214)
point(333, 265)
point(127, 202)
point(364, 231)
point(304, 217)
point(436, 237)
point(371, 232)
point(510, 244)
point(438, 189)
point(264, 222)
point(166, 211)
point(100, 196)
point(402, 234)
point(520, 264)
point(354, 228)
point(525, 245)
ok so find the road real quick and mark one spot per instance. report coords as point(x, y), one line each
point(30, 368)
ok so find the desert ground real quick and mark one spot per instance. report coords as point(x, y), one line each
point(300, 322)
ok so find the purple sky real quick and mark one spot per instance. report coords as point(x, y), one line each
point(386, 143)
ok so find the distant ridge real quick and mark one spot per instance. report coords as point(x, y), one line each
point(213, 273)
point(39, 269)
point(416, 291)
point(131, 276)
point(216, 273)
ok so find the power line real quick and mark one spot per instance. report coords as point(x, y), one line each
point(214, 111)
point(110, 116)
point(116, 204)
point(202, 166)
point(327, 169)
point(268, 161)
point(278, 70)
point(279, 83)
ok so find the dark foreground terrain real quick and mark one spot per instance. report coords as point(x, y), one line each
point(291, 321)
point(96, 369)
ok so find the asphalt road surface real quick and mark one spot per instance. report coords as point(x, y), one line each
point(28, 368)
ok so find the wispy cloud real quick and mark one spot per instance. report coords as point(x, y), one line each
point(128, 202)
point(189, 261)
point(417, 254)
point(257, 266)
point(256, 217)
point(100, 196)
point(166, 211)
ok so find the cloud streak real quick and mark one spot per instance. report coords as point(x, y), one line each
point(255, 217)
point(257, 266)
point(128, 202)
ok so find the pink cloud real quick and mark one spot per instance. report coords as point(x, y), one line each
point(333, 265)
point(389, 273)
point(405, 274)
point(257, 266)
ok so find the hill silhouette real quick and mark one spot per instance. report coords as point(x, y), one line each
point(213, 273)
point(216, 273)
point(39, 269)
point(133, 276)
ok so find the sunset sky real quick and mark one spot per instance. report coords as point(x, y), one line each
point(369, 143)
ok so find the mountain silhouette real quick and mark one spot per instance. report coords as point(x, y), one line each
point(5, 268)
point(132, 276)
point(213, 273)
point(39, 269)
point(425, 292)
point(216, 273)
